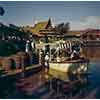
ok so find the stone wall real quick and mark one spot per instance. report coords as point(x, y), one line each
point(18, 61)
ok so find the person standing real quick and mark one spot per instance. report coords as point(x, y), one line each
point(47, 60)
point(27, 46)
point(33, 45)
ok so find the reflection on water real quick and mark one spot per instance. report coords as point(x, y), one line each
point(92, 53)
point(36, 86)
point(30, 85)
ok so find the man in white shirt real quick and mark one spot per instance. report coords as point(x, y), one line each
point(47, 60)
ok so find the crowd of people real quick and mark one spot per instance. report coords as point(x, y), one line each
point(60, 52)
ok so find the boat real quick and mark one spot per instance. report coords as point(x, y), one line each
point(64, 67)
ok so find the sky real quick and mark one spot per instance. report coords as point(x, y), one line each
point(79, 14)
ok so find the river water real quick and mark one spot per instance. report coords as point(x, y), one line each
point(32, 85)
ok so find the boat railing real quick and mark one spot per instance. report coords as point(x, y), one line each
point(80, 60)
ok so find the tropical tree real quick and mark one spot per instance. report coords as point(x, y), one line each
point(66, 27)
point(62, 28)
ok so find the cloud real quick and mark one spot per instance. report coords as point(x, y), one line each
point(86, 22)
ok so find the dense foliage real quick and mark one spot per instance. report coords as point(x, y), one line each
point(62, 28)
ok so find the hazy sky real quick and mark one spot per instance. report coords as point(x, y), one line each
point(80, 14)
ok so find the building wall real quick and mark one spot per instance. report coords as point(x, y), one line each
point(20, 60)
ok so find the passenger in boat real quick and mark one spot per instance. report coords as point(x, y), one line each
point(27, 46)
point(42, 57)
point(53, 54)
point(47, 48)
point(75, 55)
point(33, 45)
point(58, 59)
point(68, 52)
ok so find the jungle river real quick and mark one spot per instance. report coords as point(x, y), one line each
point(32, 86)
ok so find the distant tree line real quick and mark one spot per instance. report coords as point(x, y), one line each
point(6, 31)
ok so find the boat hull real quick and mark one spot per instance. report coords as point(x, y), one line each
point(63, 70)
